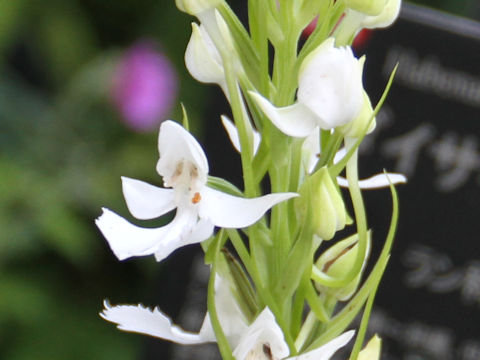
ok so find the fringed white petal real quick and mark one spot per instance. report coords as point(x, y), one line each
point(230, 211)
point(295, 120)
point(146, 201)
point(139, 319)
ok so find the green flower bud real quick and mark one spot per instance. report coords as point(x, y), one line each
point(369, 7)
point(328, 213)
point(356, 128)
point(337, 262)
point(372, 350)
point(194, 7)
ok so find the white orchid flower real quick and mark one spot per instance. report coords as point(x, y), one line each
point(330, 92)
point(262, 339)
point(184, 168)
point(311, 150)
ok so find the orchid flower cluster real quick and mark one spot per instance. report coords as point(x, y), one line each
point(282, 284)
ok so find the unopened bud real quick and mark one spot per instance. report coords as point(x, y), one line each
point(328, 209)
point(202, 58)
point(369, 7)
point(337, 262)
point(386, 17)
point(372, 350)
point(194, 7)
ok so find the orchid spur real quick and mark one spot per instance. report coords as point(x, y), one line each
point(184, 168)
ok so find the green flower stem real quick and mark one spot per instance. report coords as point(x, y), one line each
point(363, 326)
point(242, 124)
point(337, 168)
point(333, 13)
point(332, 144)
point(359, 209)
point(257, 12)
point(316, 304)
point(298, 307)
point(222, 341)
point(248, 55)
point(341, 321)
point(279, 224)
point(306, 330)
point(242, 252)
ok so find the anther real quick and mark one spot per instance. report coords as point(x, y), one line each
point(196, 198)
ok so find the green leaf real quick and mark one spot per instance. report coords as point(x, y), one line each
point(223, 186)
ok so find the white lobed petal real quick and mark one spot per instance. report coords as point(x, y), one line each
point(175, 145)
point(127, 240)
point(145, 201)
point(230, 211)
point(140, 319)
point(325, 352)
point(330, 84)
point(263, 331)
point(234, 138)
point(201, 231)
point(376, 181)
point(295, 120)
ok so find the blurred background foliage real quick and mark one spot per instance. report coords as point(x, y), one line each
point(63, 147)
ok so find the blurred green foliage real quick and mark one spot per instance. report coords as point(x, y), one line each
point(63, 149)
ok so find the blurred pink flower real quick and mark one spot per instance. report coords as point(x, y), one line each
point(144, 86)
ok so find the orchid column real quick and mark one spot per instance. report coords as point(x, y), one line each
point(299, 115)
